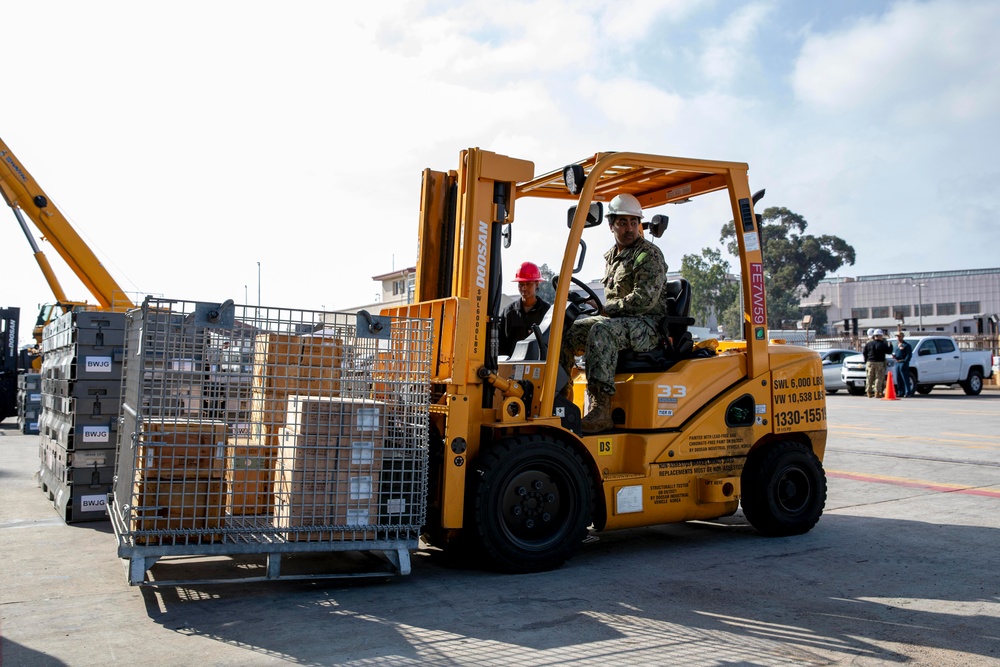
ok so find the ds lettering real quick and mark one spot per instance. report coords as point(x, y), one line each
point(604, 447)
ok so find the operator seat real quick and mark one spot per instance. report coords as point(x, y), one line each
point(673, 326)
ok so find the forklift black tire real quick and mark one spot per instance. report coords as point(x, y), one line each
point(784, 489)
point(855, 391)
point(532, 503)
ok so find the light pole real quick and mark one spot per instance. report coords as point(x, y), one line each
point(258, 284)
point(920, 305)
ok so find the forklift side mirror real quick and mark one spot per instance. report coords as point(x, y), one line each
point(657, 225)
point(594, 216)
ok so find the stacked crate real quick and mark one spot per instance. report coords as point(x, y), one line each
point(284, 365)
point(178, 480)
point(29, 402)
point(327, 468)
point(81, 380)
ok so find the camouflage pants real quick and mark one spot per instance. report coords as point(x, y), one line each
point(599, 339)
point(875, 378)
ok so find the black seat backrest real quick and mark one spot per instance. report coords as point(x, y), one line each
point(674, 325)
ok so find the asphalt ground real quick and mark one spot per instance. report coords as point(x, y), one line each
point(902, 569)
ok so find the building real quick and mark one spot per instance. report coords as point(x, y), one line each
point(951, 302)
point(395, 288)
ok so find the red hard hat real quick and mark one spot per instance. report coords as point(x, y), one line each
point(528, 273)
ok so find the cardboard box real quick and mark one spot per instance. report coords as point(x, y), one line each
point(322, 351)
point(249, 477)
point(336, 416)
point(349, 433)
point(298, 379)
point(344, 507)
point(182, 504)
point(293, 363)
point(301, 458)
point(178, 449)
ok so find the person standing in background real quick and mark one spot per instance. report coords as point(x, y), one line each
point(874, 353)
point(902, 354)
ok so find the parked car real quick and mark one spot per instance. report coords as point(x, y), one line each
point(833, 360)
point(936, 361)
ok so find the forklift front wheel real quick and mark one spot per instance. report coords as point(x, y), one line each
point(532, 503)
point(784, 489)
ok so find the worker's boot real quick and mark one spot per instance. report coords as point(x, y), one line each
point(599, 417)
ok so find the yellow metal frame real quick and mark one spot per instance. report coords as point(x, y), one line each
point(22, 193)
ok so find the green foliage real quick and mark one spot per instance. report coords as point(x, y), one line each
point(545, 289)
point(794, 262)
point(711, 289)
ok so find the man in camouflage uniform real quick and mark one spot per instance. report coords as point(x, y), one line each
point(634, 279)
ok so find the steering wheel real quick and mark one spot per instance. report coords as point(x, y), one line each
point(575, 298)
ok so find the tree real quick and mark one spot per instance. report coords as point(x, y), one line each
point(794, 262)
point(545, 289)
point(711, 289)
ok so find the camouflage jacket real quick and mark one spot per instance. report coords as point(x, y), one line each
point(634, 280)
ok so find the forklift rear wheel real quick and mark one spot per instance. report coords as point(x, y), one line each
point(532, 503)
point(784, 489)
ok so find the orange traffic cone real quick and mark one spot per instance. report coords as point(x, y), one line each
point(890, 389)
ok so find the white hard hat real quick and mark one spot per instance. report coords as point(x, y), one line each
point(879, 332)
point(870, 332)
point(625, 204)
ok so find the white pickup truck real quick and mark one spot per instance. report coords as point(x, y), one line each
point(936, 361)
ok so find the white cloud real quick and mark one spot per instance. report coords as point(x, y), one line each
point(635, 104)
point(727, 49)
point(920, 62)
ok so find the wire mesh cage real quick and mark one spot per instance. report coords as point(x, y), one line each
point(266, 430)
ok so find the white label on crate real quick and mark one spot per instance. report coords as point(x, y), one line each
point(362, 453)
point(98, 364)
point(185, 365)
point(94, 503)
point(88, 459)
point(33, 426)
point(240, 429)
point(395, 506)
point(35, 398)
point(96, 433)
point(220, 450)
point(358, 517)
point(361, 488)
point(368, 419)
point(518, 374)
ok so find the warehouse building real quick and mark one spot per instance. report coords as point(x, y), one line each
point(951, 302)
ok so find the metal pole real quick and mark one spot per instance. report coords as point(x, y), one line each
point(920, 305)
point(258, 284)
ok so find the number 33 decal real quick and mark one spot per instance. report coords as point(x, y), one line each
point(676, 390)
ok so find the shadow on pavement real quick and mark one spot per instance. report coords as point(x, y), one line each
point(851, 587)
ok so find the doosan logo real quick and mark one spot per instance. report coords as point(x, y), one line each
point(481, 255)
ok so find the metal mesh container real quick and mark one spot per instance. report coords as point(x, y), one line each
point(249, 430)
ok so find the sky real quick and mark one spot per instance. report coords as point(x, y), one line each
point(206, 148)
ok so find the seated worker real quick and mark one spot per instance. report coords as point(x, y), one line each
point(635, 276)
point(517, 318)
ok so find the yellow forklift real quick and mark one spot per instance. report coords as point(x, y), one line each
point(698, 431)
